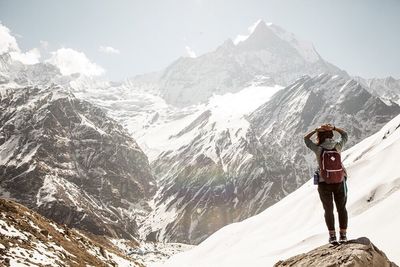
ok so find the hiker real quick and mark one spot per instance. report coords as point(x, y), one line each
point(330, 177)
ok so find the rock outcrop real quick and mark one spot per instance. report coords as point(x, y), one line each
point(360, 252)
point(28, 239)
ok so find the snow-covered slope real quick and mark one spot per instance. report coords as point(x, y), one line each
point(199, 162)
point(296, 225)
point(308, 103)
point(268, 51)
point(135, 106)
point(221, 168)
point(220, 114)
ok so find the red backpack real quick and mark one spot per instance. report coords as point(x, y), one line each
point(331, 168)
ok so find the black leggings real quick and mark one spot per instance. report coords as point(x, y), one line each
point(337, 192)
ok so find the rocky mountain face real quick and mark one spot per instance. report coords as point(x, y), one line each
point(215, 163)
point(16, 74)
point(226, 174)
point(360, 252)
point(137, 109)
point(268, 51)
point(308, 103)
point(64, 158)
point(28, 239)
point(386, 88)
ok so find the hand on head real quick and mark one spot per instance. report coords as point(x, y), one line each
point(325, 127)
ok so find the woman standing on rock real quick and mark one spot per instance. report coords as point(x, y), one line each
point(330, 177)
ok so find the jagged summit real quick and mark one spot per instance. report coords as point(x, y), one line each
point(267, 51)
point(262, 38)
point(386, 88)
point(260, 27)
point(268, 35)
point(259, 23)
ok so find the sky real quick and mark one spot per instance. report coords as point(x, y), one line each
point(123, 38)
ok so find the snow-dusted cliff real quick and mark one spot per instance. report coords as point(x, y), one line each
point(223, 169)
point(296, 224)
point(28, 239)
point(387, 88)
point(66, 159)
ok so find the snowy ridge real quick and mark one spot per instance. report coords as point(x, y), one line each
point(208, 179)
point(144, 114)
point(262, 240)
point(386, 88)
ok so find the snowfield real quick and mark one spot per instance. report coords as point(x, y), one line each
point(296, 224)
point(226, 112)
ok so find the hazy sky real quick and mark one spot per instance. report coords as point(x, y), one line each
point(133, 37)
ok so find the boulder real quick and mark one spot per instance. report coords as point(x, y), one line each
point(359, 252)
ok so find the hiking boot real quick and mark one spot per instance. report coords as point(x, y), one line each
point(332, 239)
point(343, 238)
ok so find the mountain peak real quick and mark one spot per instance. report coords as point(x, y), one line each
point(260, 27)
point(266, 50)
point(269, 36)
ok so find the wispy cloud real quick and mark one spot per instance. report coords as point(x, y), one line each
point(8, 44)
point(190, 52)
point(30, 57)
point(109, 50)
point(70, 61)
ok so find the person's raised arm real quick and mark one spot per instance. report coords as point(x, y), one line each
point(344, 136)
point(309, 143)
